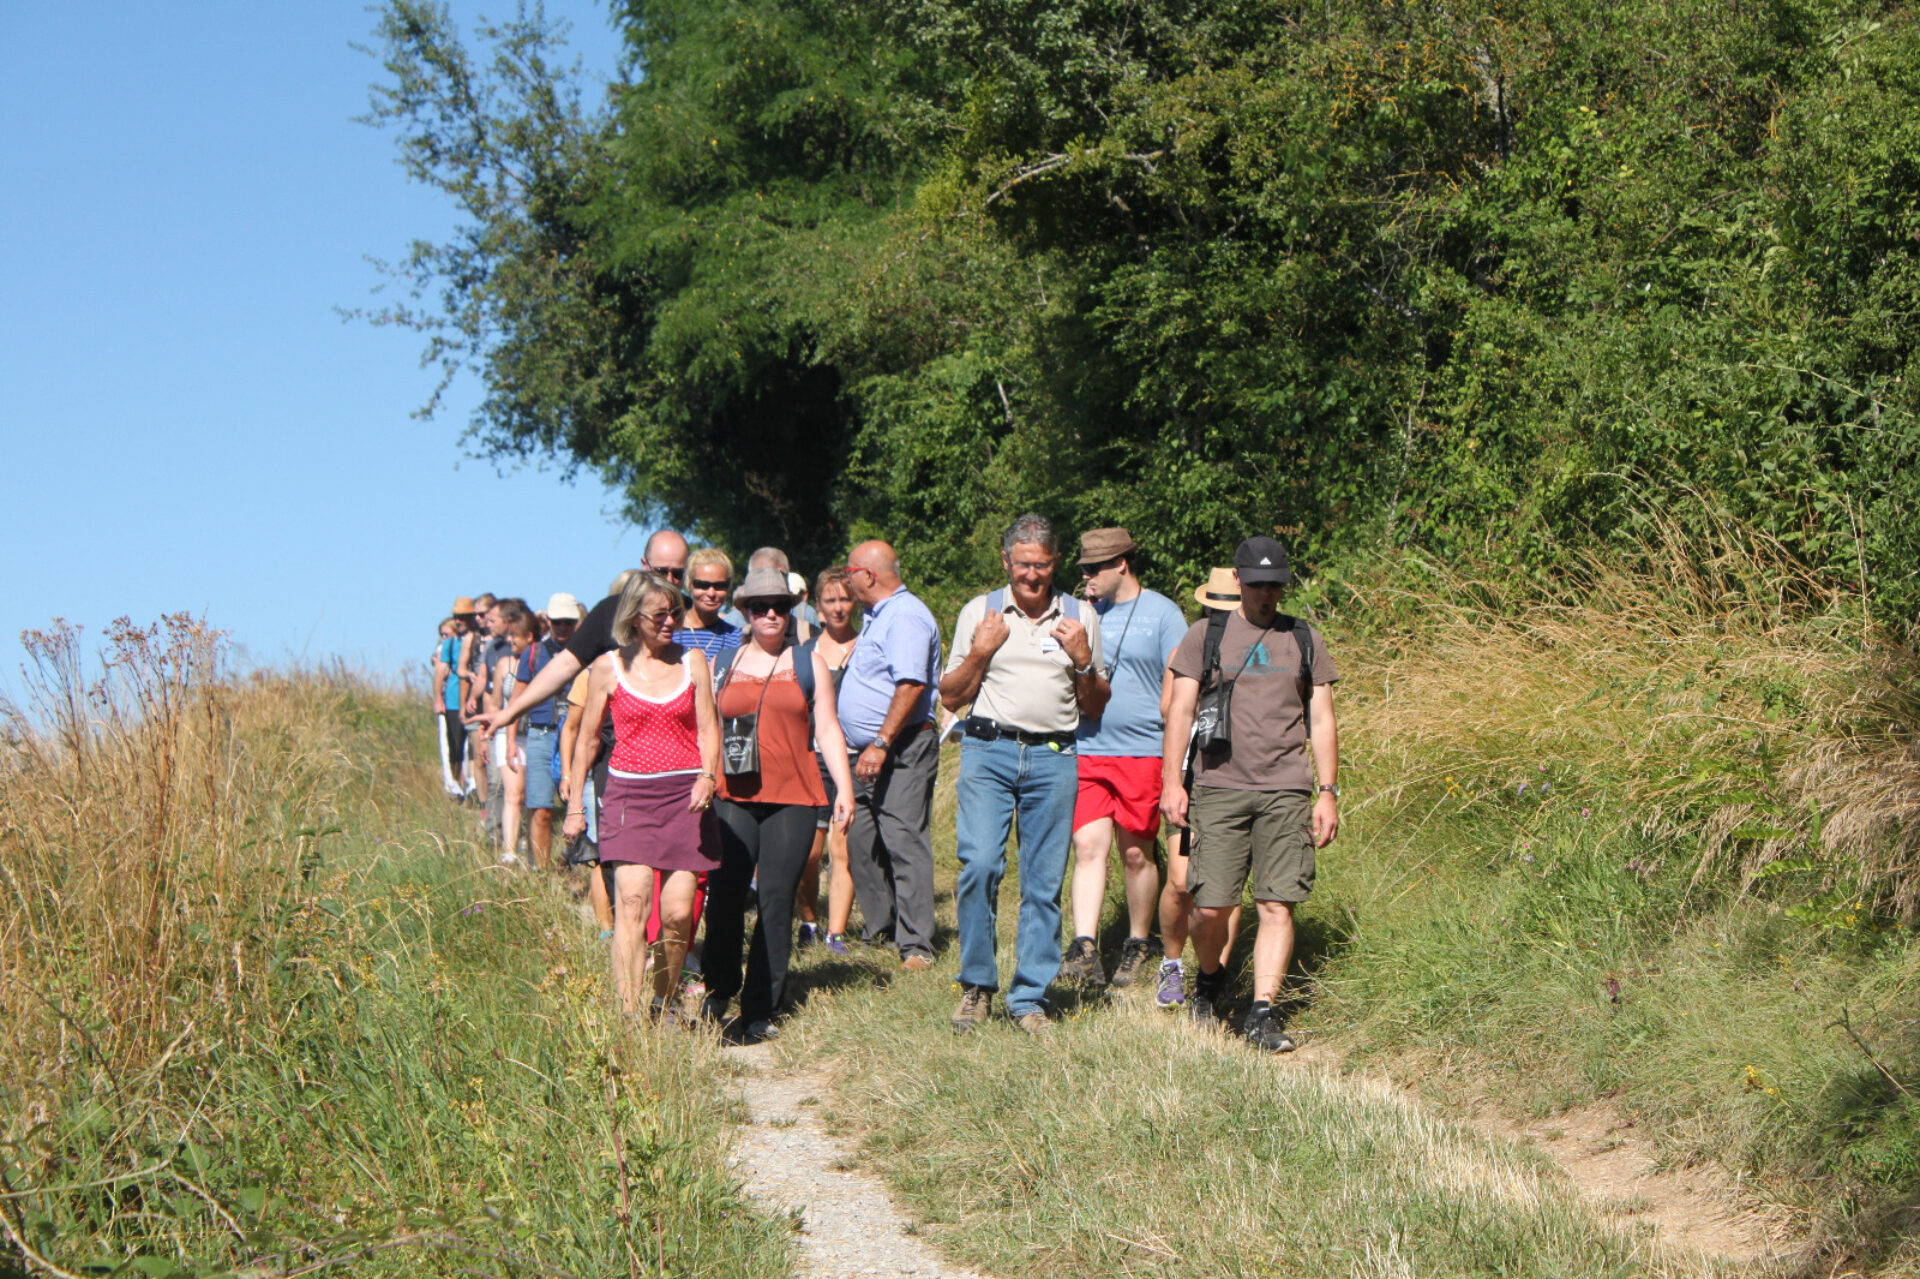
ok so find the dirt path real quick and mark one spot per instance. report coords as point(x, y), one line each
point(1617, 1171)
point(787, 1161)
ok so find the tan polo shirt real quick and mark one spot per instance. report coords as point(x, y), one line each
point(1029, 683)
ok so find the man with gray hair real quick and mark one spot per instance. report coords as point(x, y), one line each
point(774, 558)
point(1030, 668)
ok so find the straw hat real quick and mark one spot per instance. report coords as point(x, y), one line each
point(463, 606)
point(764, 584)
point(1221, 591)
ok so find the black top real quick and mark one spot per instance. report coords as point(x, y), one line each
point(594, 635)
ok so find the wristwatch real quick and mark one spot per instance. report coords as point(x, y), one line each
point(1330, 789)
point(1081, 672)
point(880, 740)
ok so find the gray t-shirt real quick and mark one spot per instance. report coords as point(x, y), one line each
point(1269, 751)
point(497, 647)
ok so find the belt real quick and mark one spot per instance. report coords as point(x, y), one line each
point(988, 730)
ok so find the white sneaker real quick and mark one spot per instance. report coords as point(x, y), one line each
point(509, 859)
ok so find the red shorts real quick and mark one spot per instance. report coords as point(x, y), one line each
point(1123, 787)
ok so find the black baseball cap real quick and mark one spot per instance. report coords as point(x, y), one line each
point(1260, 561)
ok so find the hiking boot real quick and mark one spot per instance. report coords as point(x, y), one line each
point(1082, 963)
point(1173, 985)
point(837, 943)
point(1034, 1023)
point(809, 936)
point(1133, 957)
point(1201, 1014)
point(1262, 1031)
point(917, 962)
point(974, 1003)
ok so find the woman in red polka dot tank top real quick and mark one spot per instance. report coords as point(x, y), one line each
point(657, 814)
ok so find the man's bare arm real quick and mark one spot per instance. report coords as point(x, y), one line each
point(562, 668)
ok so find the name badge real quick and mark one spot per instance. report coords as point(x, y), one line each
point(1048, 644)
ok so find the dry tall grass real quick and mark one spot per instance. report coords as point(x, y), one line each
point(1716, 688)
point(153, 819)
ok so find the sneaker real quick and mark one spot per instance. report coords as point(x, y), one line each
point(1034, 1023)
point(975, 1001)
point(809, 936)
point(1200, 1012)
point(917, 962)
point(744, 1032)
point(1262, 1030)
point(1082, 963)
point(1173, 985)
point(837, 943)
point(1133, 957)
point(713, 1010)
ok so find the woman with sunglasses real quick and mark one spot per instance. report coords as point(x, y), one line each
point(709, 578)
point(834, 641)
point(655, 815)
point(774, 712)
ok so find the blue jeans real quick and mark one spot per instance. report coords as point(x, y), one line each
point(998, 779)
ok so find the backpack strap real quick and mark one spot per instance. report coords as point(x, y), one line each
point(1070, 606)
point(1210, 650)
point(803, 670)
point(722, 664)
point(996, 599)
point(1303, 639)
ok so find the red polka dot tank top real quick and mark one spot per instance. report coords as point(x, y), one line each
point(651, 737)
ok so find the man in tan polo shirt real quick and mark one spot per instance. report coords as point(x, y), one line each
point(1023, 656)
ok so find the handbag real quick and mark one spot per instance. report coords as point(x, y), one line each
point(740, 734)
point(583, 851)
point(1213, 712)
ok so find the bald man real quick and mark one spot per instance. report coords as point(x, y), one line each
point(666, 555)
point(886, 711)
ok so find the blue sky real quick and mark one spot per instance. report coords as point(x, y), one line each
point(187, 422)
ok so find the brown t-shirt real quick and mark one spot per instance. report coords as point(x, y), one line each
point(1269, 750)
point(789, 773)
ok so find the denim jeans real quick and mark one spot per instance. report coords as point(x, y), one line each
point(997, 780)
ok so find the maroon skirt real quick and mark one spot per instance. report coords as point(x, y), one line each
point(645, 821)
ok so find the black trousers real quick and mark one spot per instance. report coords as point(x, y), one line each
point(456, 741)
point(773, 839)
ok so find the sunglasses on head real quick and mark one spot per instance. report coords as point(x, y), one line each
point(780, 608)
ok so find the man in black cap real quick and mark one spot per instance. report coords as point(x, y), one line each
point(1260, 683)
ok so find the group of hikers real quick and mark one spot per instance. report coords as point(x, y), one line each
point(706, 758)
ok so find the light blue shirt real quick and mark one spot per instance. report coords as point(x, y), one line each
point(899, 643)
point(1137, 639)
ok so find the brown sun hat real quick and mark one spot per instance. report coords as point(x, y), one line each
point(764, 584)
point(1101, 544)
point(1220, 591)
point(463, 606)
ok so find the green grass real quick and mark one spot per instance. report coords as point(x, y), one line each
point(411, 1067)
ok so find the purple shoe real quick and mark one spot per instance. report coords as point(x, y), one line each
point(1173, 985)
point(837, 943)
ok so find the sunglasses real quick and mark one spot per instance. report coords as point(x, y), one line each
point(672, 574)
point(1095, 570)
point(660, 619)
point(754, 608)
point(699, 585)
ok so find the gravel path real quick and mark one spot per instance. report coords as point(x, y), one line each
point(788, 1162)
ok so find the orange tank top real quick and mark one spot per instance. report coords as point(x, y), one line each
point(789, 773)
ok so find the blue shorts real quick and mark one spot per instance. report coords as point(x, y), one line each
point(540, 745)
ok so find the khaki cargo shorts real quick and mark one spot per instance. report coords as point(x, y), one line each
point(1236, 832)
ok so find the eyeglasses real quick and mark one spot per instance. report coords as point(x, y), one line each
point(1095, 570)
point(779, 608)
point(1033, 566)
point(660, 619)
point(671, 574)
point(699, 585)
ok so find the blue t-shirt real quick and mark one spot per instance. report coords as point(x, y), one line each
point(899, 643)
point(532, 662)
point(449, 652)
point(1136, 640)
point(713, 640)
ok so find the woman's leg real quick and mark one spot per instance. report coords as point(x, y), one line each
point(727, 895)
point(806, 902)
point(633, 887)
point(676, 926)
point(516, 798)
point(786, 835)
point(839, 883)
